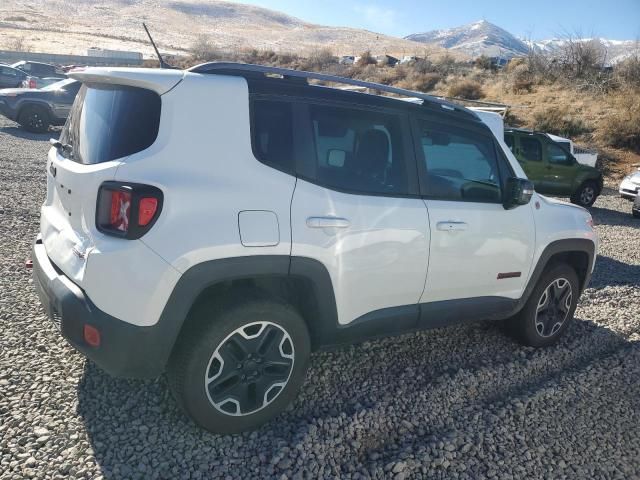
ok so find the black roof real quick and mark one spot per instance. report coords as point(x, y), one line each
point(295, 82)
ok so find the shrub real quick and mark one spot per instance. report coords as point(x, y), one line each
point(319, 59)
point(422, 65)
point(628, 71)
point(521, 79)
point(466, 89)
point(421, 82)
point(559, 122)
point(484, 63)
point(366, 59)
point(203, 50)
point(621, 129)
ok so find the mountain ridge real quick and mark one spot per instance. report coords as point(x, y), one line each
point(485, 38)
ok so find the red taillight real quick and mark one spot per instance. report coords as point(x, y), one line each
point(92, 336)
point(147, 210)
point(127, 210)
point(120, 210)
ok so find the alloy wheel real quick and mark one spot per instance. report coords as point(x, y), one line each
point(35, 120)
point(249, 368)
point(553, 307)
point(587, 195)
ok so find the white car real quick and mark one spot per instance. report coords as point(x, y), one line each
point(221, 223)
point(630, 185)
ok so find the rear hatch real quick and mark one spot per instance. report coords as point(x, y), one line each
point(114, 116)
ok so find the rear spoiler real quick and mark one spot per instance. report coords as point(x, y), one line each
point(158, 80)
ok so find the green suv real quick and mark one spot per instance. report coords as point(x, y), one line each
point(552, 169)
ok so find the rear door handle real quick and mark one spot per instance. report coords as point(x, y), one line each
point(450, 226)
point(327, 222)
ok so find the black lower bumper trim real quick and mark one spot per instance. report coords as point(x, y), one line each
point(125, 350)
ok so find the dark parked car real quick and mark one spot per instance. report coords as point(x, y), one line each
point(38, 69)
point(11, 77)
point(37, 110)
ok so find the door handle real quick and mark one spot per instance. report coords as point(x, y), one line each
point(327, 222)
point(450, 226)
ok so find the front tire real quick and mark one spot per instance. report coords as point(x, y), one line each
point(34, 119)
point(549, 309)
point(235, 370)
point(586, 195)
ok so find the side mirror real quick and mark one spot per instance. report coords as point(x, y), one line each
point(518, 192)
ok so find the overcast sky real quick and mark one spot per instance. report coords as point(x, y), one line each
point(614, 19)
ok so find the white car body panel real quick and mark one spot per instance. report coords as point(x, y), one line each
point(465, 263)
point(203, 162)
point(379, 260)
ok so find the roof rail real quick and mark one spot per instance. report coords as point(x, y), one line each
point(239, 68)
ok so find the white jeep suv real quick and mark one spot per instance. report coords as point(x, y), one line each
point(221, 223)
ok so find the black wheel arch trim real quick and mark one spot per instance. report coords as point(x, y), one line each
point(154, 344)
point(569, 245)
point(323, 325)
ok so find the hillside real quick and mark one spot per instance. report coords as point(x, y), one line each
point(69, 26)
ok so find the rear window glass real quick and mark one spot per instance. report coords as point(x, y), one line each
point(111, 122)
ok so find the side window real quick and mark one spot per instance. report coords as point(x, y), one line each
point(272, 133)
point(557, 155)
point(358, 150)
point(508, 139)
point(460, 164)
point(531, 149)
point(10, 72)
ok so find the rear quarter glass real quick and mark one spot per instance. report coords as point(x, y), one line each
point(108, 122)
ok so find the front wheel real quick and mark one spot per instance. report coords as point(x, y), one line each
point(236, 370)
point(34, 119)
point(549, 309)
point(586, 195)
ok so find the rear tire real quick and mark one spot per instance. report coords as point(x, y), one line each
point(549, 309)
point(34, 119)
point(586, 195)
point(237, 368)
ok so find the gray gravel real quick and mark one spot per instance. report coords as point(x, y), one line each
point(463, 402)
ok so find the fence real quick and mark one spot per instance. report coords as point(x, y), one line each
point(57, 59)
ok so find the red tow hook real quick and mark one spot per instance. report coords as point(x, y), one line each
point(28, 263)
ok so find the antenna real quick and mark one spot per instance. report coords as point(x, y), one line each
point(163, 64)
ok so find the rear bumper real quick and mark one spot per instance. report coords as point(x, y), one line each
point(125, 350)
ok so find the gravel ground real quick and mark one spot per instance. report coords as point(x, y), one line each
point(462, 402)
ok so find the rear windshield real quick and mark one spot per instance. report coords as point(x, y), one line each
point(109, 122)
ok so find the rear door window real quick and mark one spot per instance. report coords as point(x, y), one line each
point(358, 151)
point(531, 149)
point(111, 122)
point(508, 139)
point(272, 133)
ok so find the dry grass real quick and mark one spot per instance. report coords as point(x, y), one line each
point(469, 89)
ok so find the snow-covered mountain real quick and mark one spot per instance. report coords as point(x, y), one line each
point(485, 38)
point(613, 51)
point(475, 39)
